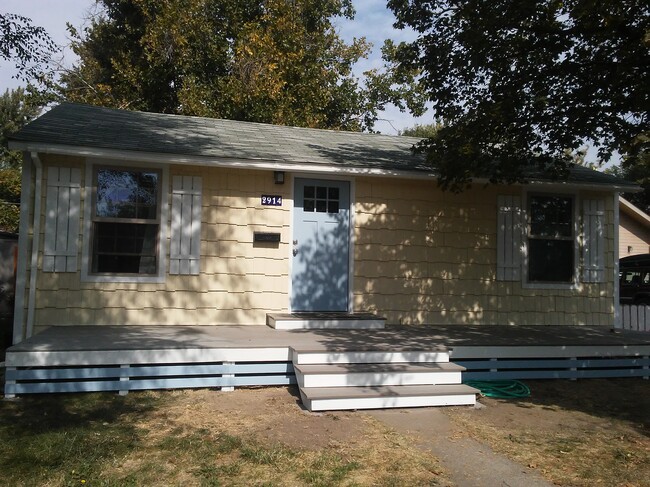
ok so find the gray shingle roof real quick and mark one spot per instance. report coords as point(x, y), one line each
point(77, 125)
point(89, 126)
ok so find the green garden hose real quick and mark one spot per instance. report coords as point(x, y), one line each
point(500, 389)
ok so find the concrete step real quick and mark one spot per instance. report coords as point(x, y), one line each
point(381, 397)
point(340, 321)
point(346, 375)
point(313, 357)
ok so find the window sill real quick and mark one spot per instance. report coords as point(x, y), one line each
point(551, 285)
point(118, 278)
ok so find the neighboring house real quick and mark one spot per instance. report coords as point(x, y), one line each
point(140, 218)
point(634, 230)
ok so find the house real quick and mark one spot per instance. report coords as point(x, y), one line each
point(634, 230)
point(131, 218)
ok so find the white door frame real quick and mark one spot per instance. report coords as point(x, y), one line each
point(325, 177)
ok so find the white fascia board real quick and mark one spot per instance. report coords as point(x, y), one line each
point(275, 165)
point(558, 186)
point(259, 164)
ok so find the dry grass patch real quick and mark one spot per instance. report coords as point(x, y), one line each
point(585, 433)
point(203, 438)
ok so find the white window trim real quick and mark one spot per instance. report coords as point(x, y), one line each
point(86, 276)
point(575, 284)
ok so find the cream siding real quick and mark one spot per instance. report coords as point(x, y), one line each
point(239, 281)
point(420, 256)
point(439, 265)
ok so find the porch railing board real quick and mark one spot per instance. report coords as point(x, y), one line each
point(476, 365)
point(554, 374)
point(146, 384)
point(144, 371)
point(635, 317)
point(125, 377)
point(555, 368)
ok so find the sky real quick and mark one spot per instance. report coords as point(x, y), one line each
point(372, 21)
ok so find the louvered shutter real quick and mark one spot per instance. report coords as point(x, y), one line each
point(185, 245)
point(62, 212)
point(593, 250)
point(509, 237)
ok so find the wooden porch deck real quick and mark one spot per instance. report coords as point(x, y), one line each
point(122, 358)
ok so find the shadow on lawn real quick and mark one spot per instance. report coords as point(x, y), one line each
point(615, 399)
point(50, 412)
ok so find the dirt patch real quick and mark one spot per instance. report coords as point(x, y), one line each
point(275, 414)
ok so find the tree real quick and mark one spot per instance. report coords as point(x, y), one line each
point(27, 45)
point(640, 174)
point(273, 61)
point(16, 110)
point(422, 131)
point(518, 83)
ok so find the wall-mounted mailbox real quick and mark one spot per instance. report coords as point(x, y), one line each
point(266, 237)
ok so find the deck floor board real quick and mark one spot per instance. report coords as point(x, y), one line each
point(395, 338)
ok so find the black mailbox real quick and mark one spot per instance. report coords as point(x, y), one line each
point(266, 237)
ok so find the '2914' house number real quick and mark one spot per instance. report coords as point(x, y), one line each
point(271, 200)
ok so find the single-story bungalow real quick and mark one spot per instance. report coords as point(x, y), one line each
point(131, 218)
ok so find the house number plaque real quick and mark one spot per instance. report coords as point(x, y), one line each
point(271, 200)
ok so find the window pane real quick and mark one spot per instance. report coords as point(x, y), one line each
point(551, 216)
point(309, 192)
point(321, 192)
point(333, 193)
point(126, 194)
point(550, 260)
point(332, 206)
point(321, 206)
point(124, 248)
point(308, 205)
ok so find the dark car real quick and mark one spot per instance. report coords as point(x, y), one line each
point(634, 272)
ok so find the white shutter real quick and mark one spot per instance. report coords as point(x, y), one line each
point(62, 210)
point(593, 250)
point(509, 238)
point(185, 246)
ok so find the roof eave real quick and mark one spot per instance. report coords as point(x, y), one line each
point(230, 162)
point(279, 165)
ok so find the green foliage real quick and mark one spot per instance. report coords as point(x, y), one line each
point(16, 110)
point(640, 174)
point(274, 61)
point(422, 131)
point(28, 46)
point(520, 83)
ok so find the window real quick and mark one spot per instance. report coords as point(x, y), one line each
point(551, 241)
point(125, 221)
point(321, 199)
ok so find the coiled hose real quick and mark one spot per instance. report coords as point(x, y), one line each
point(501, 389)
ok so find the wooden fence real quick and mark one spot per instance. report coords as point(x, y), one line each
point(635, 317)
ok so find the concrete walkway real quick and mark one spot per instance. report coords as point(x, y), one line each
point(469, 462)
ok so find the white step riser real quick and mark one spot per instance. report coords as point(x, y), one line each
point(369, 357)
point(389, 402)
point(378, 379)
point(327, 324)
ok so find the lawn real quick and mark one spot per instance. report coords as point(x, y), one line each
point(246, 437)
point(584, 433)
